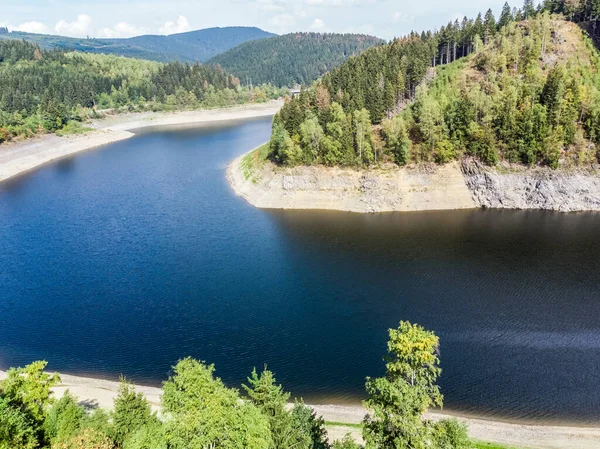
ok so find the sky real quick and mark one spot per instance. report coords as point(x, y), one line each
point(126, 18)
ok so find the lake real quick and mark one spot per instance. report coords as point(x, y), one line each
point(128, 258)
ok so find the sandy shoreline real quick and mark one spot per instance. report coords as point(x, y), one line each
point(101, 393)
point(19, 157)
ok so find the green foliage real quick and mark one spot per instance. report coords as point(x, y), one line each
point(53, 91)
point(98, 421)
point(88, 439)
point(396, 139)
point(515, 96)
point(451, 434)
point(298, 58)
point(63, 421)
point(306, 422)
point(399, 400)
point(131, 412)
point(73, 128)
point(29, 389)
point(205, 413)
point(17, 430)
point(287, 429)
point(346, 443)
point(149, 436)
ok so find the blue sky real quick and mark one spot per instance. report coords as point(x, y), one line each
point(122, 18)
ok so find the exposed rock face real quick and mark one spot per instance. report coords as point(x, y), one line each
point(384, 189)
point(537, 188)
point(467, 185)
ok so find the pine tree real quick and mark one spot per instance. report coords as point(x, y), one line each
point(528, 9)
point(489, 26)
point(506, 16)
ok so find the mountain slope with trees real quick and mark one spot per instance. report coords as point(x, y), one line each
point(523, 88)
point(297, 58)
point(192, 46)
point(48, 90)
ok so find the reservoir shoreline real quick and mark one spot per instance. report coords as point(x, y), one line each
point(101, 393)
point(423, 187)
point(20, 157)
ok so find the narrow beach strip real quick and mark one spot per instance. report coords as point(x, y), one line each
point(19, 157)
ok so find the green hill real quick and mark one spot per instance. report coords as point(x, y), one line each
point(516, 90)
point(298, 58)
point(43, 90)
point(193, 46)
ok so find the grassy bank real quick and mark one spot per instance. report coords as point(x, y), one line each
point(253, 162)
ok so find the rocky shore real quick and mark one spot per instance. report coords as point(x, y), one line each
point(465, 185)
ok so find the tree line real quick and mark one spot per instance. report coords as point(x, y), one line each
point(485, 87)
point(297, 58)
point(44, 90)
point(198, 411)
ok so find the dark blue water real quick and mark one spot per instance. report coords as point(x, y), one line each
point(125, 259)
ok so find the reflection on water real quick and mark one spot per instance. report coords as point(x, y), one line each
point(125, 260)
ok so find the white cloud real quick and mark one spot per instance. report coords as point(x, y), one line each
point(181, 25)
point(32, 27)
point(283, 21)
point(78, 28)
point(121, 29)
point(400, 17)
point(318, 25)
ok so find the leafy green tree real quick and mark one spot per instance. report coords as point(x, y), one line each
point(88, 439)
point(396, 139)
point(63, 421)
point(130, 413)
point(506, 16)
point(553, 94)
point(362, 136)
point(528, 9)
point(489, 26)
point(346, 443)
point(451, 434)
point(271, 400)
point(312, 136)
point(17, 430)
point(149, 436)
point(29, 388)
point(204, 413)
point(398, 401)
point(312, 427)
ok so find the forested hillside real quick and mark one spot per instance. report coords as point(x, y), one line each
point(45, 90)
point(193, 46)
point(523, 88)
point(298, 58)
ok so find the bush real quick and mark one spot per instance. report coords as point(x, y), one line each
point(445, 152)
point(450, 434)
point(88, 439)
point(346, 443)
point(17, 431)
point(150, 436)
point(131, 412)
point(72, 128)
point(64, 419)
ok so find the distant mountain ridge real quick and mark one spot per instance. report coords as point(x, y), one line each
point(296, 58)
point(199, 45)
